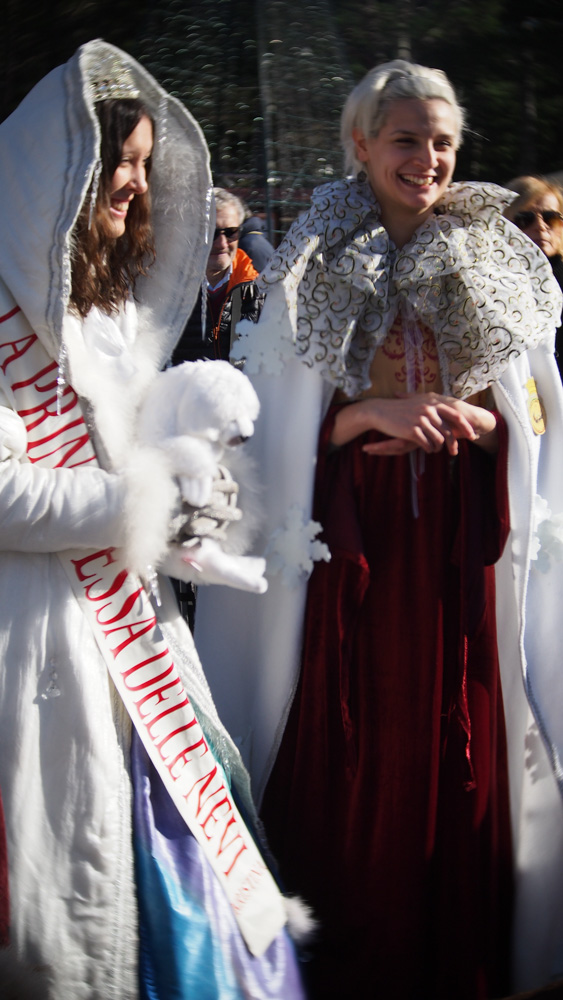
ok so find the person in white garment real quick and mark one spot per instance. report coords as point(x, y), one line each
point(132, 872)
point(408, 327)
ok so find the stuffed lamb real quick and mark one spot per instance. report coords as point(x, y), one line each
point(196, 414)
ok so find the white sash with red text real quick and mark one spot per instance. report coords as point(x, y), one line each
point(141, 666)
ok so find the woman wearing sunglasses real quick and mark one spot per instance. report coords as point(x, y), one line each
point(538, 212)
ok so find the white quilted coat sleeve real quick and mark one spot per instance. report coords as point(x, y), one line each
point(50, 510)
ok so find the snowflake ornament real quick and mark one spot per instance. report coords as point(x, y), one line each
point(294, 548)
point(547, 537)
point(261, 346)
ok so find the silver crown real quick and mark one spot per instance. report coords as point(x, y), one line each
point(110, 79)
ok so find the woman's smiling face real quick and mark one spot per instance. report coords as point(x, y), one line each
point(130, 177)
point(410, 162)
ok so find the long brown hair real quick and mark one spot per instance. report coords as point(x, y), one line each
point(105, 269)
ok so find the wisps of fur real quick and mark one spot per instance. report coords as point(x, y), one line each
point(114, 405)
point(167, 434)
point(192, 413)
point(241, 534)
point(301, 922)
point(152, 496)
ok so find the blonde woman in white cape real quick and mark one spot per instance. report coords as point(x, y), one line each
point(119, 886)
point(373, 722)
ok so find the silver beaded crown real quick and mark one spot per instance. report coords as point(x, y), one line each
point(110, 79)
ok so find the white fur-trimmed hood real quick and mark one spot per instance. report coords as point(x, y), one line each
point(48, 160)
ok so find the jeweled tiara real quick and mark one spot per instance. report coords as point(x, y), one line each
point(110, 79)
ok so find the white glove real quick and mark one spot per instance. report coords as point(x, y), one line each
point(204, 561)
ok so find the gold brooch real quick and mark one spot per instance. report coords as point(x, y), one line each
point(535, 408)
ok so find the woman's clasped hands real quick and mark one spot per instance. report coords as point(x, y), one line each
point(416, 420)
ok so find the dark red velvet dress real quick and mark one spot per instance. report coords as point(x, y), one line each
point(388, 805)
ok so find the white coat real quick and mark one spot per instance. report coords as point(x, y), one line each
point(64, 735)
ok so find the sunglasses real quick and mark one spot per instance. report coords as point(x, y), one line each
point(230, 233)
point(525, 219)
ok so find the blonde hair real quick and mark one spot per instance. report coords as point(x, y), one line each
point(368, 105)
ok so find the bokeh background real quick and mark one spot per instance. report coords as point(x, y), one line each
point(266, 79)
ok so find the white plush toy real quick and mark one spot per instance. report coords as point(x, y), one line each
point(195, 414)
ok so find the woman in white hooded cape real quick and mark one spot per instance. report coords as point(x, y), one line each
point(111, 895)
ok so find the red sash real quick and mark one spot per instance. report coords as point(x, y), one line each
point(141, 666)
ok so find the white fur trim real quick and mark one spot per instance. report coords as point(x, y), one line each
point(301, 922)
point(192, 413)
point(152, 495)
point(114, 400)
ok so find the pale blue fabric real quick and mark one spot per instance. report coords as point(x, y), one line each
point(191, 947)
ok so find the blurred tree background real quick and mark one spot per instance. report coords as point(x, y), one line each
point(266, 79)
